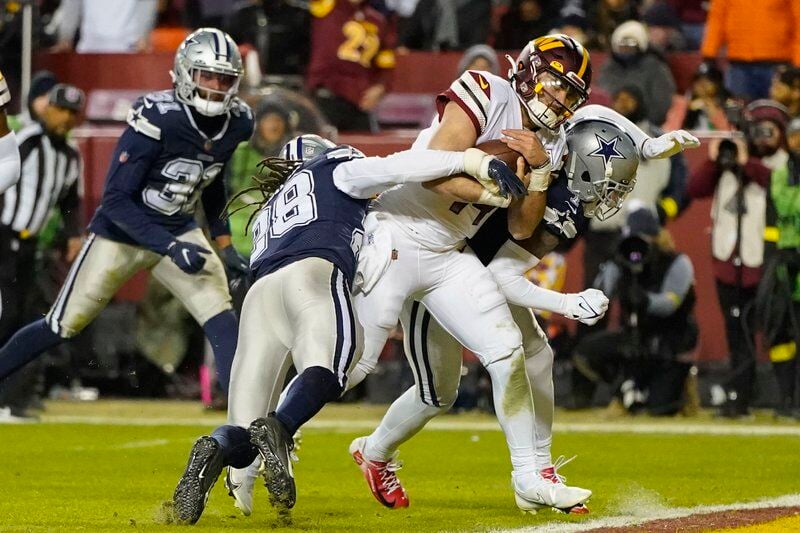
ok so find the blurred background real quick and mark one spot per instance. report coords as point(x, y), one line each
point(727, 70)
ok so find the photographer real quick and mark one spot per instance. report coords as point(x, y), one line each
point(644, 360)
point(737, 174)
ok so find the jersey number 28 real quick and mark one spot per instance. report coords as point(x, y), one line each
point(292, 206)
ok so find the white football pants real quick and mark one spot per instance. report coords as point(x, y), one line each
point(435, 359)
point(304, 309)
point(465, 299)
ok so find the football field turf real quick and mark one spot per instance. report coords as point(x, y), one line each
point(109, 466)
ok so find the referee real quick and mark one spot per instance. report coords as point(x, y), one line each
point(49, 177)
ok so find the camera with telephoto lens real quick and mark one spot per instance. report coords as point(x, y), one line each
point(632, 252)
point(728, 154)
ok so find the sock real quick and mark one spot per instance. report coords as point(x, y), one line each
point(235, 444)
point(26, 345)
point(405, 418)
point(306, 396)
point(222, 331)
point(539, 368)
point(513, 405)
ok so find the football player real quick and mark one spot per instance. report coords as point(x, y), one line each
point(418, 234)
point(305, 244)
point(603, 155)
point(424, 233)
point(169, 157)
point(9, 153)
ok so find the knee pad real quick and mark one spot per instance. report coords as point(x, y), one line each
point(325, 381)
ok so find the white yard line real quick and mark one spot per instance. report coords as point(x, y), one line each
point(453, 424)
point(649, 513)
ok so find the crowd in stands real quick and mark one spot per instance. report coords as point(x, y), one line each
point(745, 94)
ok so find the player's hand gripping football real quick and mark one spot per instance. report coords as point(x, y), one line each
point(588, 306)
point(530, 146)
point(188, 256)
point(495, 176)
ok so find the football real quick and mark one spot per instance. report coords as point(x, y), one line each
point(501, 151)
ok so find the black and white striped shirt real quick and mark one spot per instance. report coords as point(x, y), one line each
point(50, 174)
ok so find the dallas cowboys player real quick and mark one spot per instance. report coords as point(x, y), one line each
point(175, 146)
point(305, 243)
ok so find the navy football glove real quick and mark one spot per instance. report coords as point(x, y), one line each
point(188, 256)
point(506, 179)
point(235, 264)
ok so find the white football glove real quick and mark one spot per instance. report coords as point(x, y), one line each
point(5, 95)
point(669, 144)
point(588, 306)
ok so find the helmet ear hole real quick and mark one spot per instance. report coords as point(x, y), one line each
point(585, 177)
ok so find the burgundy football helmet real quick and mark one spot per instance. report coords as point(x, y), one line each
point(551, 77)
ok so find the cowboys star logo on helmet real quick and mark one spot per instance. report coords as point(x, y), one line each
point(606, 149)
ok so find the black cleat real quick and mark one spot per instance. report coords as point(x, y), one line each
point(274, 444)
point(205, 466)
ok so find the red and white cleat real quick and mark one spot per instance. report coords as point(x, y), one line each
point(381, 476)
point(551, 474)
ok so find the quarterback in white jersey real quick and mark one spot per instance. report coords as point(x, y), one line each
point(413, 239)
point(485, 107)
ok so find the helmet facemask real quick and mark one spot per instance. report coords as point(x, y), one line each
point(208, 68)
point(609, 194)
point(548, 96)
point(213, 91)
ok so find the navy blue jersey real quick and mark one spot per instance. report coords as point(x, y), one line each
point(164, 162)
point(309, 217)
point(563, 218)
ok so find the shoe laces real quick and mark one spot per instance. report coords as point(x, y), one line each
point(387, 472)
point(557, 464)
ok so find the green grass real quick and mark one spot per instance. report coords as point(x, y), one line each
point(57, 477)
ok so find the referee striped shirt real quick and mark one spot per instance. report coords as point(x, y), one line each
point(49, 176)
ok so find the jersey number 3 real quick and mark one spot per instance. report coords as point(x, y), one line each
point(187, 180)
point(292, 206)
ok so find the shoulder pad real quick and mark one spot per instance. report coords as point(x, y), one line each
point(149, 114)
point(472, 91)
point(240, 108)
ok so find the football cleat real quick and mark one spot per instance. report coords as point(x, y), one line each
point(551, 474)
point(275, 445)
point(191, 494)
point(533, 492)
point(381, 476)
point(240, 483)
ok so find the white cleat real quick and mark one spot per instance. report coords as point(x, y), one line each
point(533, 492)
point(240, 483)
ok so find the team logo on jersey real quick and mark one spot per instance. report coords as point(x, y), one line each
point(482, 83)
point(606, 149)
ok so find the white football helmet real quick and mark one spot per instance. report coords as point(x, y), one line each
point(305, 147)
point(207, 71)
